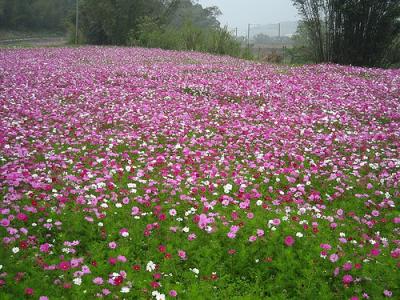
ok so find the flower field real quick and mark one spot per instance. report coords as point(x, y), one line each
point(147, 174)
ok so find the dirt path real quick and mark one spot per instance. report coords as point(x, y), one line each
point(34, 42)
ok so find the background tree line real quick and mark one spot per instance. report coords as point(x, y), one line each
point(363, 33)
point(169, 24)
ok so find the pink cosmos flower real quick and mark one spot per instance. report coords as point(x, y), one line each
point(326, 246)
point(204, 221)
point(276, 222)
point(375, 252)
point(64, 265)
point(336, 271)
point(387, 293)
point(29, 291)
point(86, 270)
point(252, 238)
point(135, 211)
point(347, 266)
point(173, 293)
point(121, 258)
point(375, 213)
point(250, 215)
point(98, 281)
point(124, 232)
point(182, 254)
point(260, 232)
point(5, 222)
point(112, 260)
point(395, 253)
point(347, 279)
point(289, 241)
point(112, 245)
point(191, 237)
point(22, 217)
point(231, 235)
point(44, 248)
point(235, 228)
point(334, 257)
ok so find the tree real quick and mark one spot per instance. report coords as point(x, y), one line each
point(185, 11)
point(34, 14)
point(350, 31)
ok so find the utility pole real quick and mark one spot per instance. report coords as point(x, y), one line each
point(76, 22)
point(236, 32)
point(248, 36)
point(279, 30)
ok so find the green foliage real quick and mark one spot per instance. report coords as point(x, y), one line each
point(140, 22)
point(189, 37)
point(392, 55)
point(302, 51)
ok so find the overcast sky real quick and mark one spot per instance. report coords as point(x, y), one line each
point(238, 13)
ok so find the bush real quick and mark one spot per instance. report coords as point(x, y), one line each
point(189, 37)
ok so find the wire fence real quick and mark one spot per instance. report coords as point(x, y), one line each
point(269, 42)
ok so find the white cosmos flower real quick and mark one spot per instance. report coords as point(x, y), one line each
point(125, 289)
point(15, 250)
point(77, 281)
point(158, 295)
point(227, 188)
point(150, 267)
point(195, 271)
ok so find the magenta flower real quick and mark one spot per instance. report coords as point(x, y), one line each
point(375, 252)
point(64, 265)
point(347, 266)
point(347, 279)
point(44, 248)
point(22, 217)
point(289, 241)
